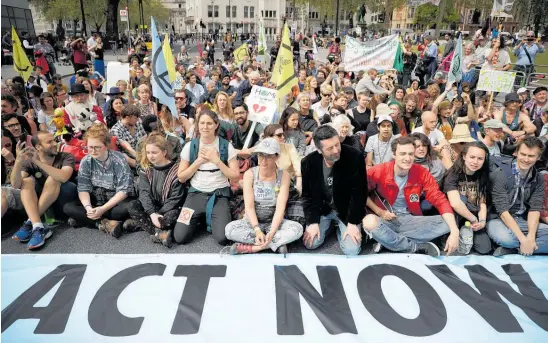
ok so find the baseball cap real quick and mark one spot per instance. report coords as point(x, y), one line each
point(511, 97)
point(382, 118)
point(493, 124)
point(522, 90)
point(268, 146)
point(348, 90)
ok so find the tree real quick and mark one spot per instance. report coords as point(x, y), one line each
point(112, 18)
point(151, 8)
point(427, 15)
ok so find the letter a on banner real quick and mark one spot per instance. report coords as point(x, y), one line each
point(161, 84)
point(283, 74)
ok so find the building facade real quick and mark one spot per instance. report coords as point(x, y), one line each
point(177, 14)
point(236, 16)
point(17, 13)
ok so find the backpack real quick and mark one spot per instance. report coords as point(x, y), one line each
point(195, 148)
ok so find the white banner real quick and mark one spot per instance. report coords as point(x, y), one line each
point(496, 81)
point(271, 298)
point(261, 103)
point(116, 71)
point(502, 8)
point(377, 53)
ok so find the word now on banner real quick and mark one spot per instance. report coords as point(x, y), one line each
point(496, 81)
point(377, 53)
point(297, 298)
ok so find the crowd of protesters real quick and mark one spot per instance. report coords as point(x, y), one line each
point(406, 159)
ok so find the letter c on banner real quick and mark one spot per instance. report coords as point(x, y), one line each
point(103, 314)
point(426, 324)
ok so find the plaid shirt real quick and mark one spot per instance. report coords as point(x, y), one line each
point(120, 131)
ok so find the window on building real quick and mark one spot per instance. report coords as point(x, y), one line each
point(246, 27)
point(246, 10)
point(252, 28)
point(210, 27)
point(234, 12)
point(210, 11)
point(216, 10)
point(179, 5)
point(252, 12)
point(273, 14)
point(228, 11)
point(411, 13)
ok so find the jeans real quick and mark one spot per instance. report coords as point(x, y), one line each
point(406, 231)
point(347, 245)
point(241, 231)
point(504, 237)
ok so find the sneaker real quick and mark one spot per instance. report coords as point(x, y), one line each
point(131, 225)
point(501, 251)
point(163, 237)
point(377, 247)
point(39, 237)
point(24, 233)
point(240, 248)
point(428, 248)
point(283, 250)
point(112, 227)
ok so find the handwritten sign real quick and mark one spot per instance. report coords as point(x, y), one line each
point(496, 81)
point(377, 53)
point(262, 105)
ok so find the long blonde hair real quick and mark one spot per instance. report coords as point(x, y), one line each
point(228, 111)
point(157, 139)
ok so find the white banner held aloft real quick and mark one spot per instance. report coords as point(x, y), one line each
point(116, 71)
point(262, 104)
point(496, 81)
point(377, 53)
point(297, 298)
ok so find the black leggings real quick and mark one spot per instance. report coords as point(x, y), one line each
point(137, 213)
point(76, 211)
point(219, 219)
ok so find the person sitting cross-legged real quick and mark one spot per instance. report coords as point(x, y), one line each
point(160, 192)
point(334, 189)
point(43, 176)
point(266, 190)
point(398, 223)
point(105, 186)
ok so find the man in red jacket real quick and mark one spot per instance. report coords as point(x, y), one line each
point(395, 189)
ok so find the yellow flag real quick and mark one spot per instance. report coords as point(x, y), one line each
point(240, 53)
point(21, 62)
point(170, 62)
point(283, 74)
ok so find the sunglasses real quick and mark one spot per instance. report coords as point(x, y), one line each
point(279, 135)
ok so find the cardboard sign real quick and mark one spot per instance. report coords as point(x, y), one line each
point(496, 81)
point(262, 105)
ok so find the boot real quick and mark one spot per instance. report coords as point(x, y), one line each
point(131, 225)
point(162, 236)
point(112, 227)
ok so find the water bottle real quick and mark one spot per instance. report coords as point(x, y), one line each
point(466, 238)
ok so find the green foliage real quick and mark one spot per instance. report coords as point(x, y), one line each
point(427, 15)
point(152, 8)
point(95, 11)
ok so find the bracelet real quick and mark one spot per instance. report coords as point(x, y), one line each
point(88, 205)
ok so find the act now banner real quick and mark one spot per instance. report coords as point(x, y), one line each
point(300, 298)
point(377, 53)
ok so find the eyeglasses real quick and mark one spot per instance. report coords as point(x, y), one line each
point(279, 135)
point(94, 148)
point(265, 156)
point(335, 113)
point(12, 126)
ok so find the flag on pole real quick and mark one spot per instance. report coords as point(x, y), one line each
point(240, 53)
point(398, 60)
point(314, 47)
point(283, 74)
point(455, 71)
point(161, 84)
point(21, 62)
point(261, 57)
point(170, 61)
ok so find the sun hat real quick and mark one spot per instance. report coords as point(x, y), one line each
point(383, 110)
point(268, 146)
point(461, 134)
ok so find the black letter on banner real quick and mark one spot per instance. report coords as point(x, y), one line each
point(432, 316)
point(488, 304)
point(189, 314)
point(103, 315)
point(54, 317)
point(332, 308)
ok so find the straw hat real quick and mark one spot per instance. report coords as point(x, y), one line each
point(461, 134)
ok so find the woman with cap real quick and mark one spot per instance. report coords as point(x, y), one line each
point(266, 190)
point(518, 124)
point(338, 77)
point(378, 146)
point(208, 162)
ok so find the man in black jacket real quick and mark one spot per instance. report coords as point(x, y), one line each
point(518, 194)
point(334, 189)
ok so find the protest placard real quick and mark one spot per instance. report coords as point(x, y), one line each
point(116, 71)
point(496, 81)
point(262, 108)
point(377, 53)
